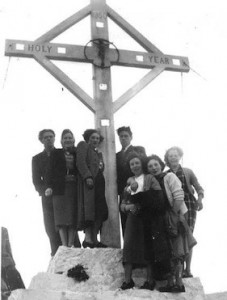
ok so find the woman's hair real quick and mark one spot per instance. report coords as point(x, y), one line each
point(87, 133)
point(41, 133)
point(179, 151)
point(156, 157)
point(142, 158)
point(65, 131)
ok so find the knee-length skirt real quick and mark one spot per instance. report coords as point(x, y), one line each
point(65, 206)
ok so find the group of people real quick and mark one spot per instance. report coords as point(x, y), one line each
point(71, 183)
point(158, 213)
point(157, 208)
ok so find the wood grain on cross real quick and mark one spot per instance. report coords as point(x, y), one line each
point(102, 56)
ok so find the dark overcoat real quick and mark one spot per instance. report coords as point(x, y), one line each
point(56, 171)
point(39, 166)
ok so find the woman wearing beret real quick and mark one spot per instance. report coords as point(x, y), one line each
point(92, 207)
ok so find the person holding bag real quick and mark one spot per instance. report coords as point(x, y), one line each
point(190, 185)
point(182, 243)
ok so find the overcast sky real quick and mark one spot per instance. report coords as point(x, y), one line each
point(188, 111)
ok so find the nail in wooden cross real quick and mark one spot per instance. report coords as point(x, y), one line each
point(102, 54)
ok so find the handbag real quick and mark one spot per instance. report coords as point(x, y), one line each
point(171, 222)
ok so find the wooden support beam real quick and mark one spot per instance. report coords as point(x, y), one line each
point(55, 51)
point(66, 81)
point(104, 120)
point(135, 34)
point(122, 100)
point(150, 60)
point(63, 26)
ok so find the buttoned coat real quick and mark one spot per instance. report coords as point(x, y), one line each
point(88, 165)
point(56, 171)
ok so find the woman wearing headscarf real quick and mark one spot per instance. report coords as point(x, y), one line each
point(92, 207)
point(62, 184)
point(190, 184)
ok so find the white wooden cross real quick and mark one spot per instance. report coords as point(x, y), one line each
point(102, 56)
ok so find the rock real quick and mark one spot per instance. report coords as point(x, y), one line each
point(106, 273)
point(103, 266)
point(217, 296)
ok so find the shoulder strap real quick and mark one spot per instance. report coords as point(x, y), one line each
point(161, 182)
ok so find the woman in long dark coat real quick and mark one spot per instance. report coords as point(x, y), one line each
point(92, 207)
point(62, 184)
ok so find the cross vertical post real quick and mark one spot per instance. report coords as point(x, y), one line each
point(105, 121)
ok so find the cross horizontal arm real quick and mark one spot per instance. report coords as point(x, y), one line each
point(122, 100)
point(66, 81)
point(147, 60)
point(69, 52)
point(56, 51)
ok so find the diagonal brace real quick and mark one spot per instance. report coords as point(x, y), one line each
point(64, 25)
point(134, 33)
point(122, 100)
point(66, 81)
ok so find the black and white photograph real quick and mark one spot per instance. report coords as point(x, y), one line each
point(113, 144)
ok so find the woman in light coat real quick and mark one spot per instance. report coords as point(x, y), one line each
point(182, 241)
point(190, 184)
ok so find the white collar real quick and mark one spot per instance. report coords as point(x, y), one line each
point(126, 148)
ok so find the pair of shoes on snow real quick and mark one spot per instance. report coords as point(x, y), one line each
point(172, 289)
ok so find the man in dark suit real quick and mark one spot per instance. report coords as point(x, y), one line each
point(123, 169)
point(39, 167)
